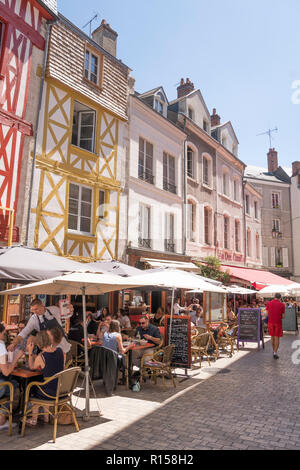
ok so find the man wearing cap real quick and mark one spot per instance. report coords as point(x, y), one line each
point(276, 312)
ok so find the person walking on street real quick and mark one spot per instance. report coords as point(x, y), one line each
point(276, 312)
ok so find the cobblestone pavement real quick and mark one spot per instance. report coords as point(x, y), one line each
point(250, 401)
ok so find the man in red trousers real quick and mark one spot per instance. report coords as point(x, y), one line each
point(276, 312)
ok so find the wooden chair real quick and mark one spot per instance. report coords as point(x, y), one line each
point(8, 401)
point(201, 329)
point(201, 345)
point(62, 402)
point(77, 352)
point(226, 341)
point(160, 365)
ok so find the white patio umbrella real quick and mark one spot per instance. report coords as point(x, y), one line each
point(84, 283)
point(174, 279)
point(294, 289)
point(273, 289)
point(238, 290)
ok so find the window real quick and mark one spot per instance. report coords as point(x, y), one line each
point(205, 125)
point(278, 258)
point(146, 161)
point(158, 106)
point(276, 225)
point(144, 227)
point(191, 222)
point(1, 36)
point(169, 183)
point(247, 204)
point(207, 226)
point(206, 171)
point(83, 132)
point(225, 183)
point(275, 201)
point(248, 243)
point(169, 233)
point(91, 67)
point(224, 141)
point(236, 194)
point(226, 232)
point(80, 208)
point(237, 230)
point(190, 163)
point(257, 240)
point(101, 214)
point(191, 113)
point(255, 209)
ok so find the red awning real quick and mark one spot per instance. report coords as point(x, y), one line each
point(259, 279)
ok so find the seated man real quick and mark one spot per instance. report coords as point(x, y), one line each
point(151, 334)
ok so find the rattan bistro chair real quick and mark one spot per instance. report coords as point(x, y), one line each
point(159, 365)
point(77, 353)
point(8, 401)
point(201, 344)
point(62, 402)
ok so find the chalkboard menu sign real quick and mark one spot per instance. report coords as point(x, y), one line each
point(181, 337)
point(250, 326)
point(289, 322)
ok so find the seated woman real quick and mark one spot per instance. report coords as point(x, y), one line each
point(112, 339)
point(103, 327)
point(5, 370)
point(92, 324)
point(56, 335)
point(51, 362)
point(159, 317)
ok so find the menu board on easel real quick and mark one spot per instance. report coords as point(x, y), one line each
point(181, 337)
point(250, 326)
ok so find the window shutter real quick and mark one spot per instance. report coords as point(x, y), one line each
point(285, 257)
point(272, 261)
point(265, 256)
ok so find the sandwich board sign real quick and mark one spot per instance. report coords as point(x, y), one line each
point(250, 326)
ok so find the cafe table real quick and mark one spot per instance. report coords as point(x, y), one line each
point(24, 377)
point(136, 347)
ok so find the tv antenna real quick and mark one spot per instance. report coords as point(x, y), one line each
point(90, 23)
point(269, 133)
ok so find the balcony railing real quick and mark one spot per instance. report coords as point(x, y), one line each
point(170, 187)
point(170, 246)
point(146, 175)
point(276, 234)
point(144, 243)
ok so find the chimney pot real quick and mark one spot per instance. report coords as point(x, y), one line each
point(106, 37)
point(272, 160)
point(296, 168)
point(184, 88)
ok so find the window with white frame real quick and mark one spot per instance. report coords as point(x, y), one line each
point(225, 182)
point(159, 102)
point(190, 163)
point(207, 171)
point(169, 233)
point(145, 161)
point(207, 225)
point(276, 200)
point(144, 226)
point(102, 201)
point(91, 67)
point(255, 209)
point(80, 208)
point(236, 190)
point(276, 225)
point(191, 220)
point(257, 240)
point(247, 204)
point(249, 243)
point(169, 173)
point(237, 230)
point(84, 124)
point(226, 232)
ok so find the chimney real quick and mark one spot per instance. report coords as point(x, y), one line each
point(106, 38)
point(272, 161)
point(296, 168)
point(215, 118)
point(185, 88)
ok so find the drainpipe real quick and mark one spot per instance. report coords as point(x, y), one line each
point(292, 230)
point(49, 24)
point(184, 188)
point(244, 219)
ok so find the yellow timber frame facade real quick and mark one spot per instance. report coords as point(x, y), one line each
point(59, 163)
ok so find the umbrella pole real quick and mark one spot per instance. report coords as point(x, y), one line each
point(86, 357)
point(171, 320)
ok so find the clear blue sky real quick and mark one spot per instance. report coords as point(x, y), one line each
point(243, 55)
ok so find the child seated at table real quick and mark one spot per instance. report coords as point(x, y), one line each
point(51, 362)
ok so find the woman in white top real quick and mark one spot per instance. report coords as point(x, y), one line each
point(124, 320)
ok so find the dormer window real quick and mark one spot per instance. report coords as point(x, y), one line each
point(159, 102)
point(205, 125)
point(93, 66)
point(191, 113)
